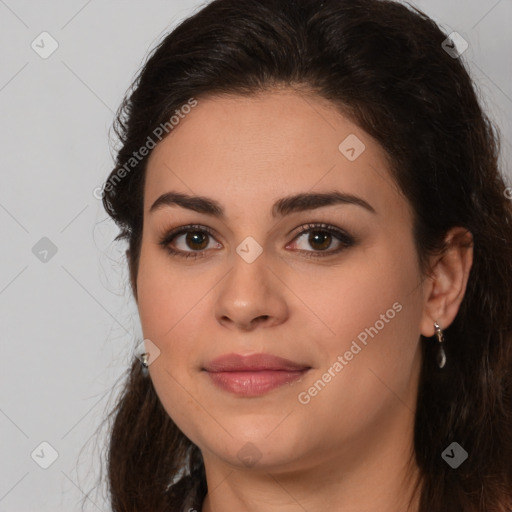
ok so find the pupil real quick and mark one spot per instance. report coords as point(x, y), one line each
point(315, 236)
point(318, 239)
point(192, 238)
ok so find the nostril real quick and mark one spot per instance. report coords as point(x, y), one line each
point(261, 318)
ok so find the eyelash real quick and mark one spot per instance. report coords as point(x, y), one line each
point(345, 239)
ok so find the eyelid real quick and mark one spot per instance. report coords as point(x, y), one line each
point(171, 235)
point(345, 240)
point(343, 237)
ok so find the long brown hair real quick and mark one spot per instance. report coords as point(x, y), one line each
point(383, 65)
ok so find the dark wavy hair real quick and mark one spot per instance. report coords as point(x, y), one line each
point(381, 64)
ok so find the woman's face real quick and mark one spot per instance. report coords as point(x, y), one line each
point(344, 307)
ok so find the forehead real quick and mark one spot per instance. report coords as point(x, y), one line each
point(252, 150)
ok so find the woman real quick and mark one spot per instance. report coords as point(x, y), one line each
point(319, 243)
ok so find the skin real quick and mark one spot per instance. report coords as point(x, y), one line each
point(351, 443)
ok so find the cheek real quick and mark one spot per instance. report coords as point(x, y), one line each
point(166, 294)
point(374, 310)
point(351, 297)
point(169, 305)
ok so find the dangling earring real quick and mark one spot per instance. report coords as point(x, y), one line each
point(441, 356)
point(144, 358)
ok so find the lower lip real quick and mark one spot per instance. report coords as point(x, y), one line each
point(255, 383)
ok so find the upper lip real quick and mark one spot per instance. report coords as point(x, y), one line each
point(254, 362)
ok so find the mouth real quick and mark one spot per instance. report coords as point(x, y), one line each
point(253, 375)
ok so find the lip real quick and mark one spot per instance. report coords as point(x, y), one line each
point(253, 375)
point(253, 362)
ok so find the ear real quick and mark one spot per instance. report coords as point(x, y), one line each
point(133, 278)
point(447, 282)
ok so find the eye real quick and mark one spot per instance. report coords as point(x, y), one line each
point(321, 237)
point(196, 238)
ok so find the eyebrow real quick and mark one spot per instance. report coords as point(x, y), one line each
point(284, 206)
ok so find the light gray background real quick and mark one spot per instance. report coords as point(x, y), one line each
point(68, 325)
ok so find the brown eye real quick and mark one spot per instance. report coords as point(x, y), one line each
point(188, 241)
point(320, 238)
point(197, 240)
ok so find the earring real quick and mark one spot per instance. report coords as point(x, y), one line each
point(441, 356)
point(144, 358)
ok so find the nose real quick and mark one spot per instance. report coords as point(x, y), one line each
point(251, 296)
